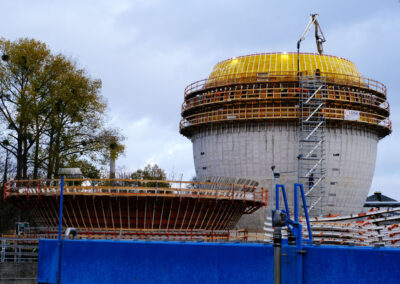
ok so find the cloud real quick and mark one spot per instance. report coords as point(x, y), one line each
point(146, 52)
point(152, 142)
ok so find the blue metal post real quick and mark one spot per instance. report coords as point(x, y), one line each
point(299, 244)
point(277, 187)
point(296, 206)
point(303, 197)
point(61, 208)
point(60, 217)
point(298, 231)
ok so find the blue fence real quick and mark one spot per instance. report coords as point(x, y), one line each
point(92, 261)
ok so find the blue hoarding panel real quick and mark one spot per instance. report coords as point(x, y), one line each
point(337, 264)
point(155, 262)
point(48, 261)
point(90, 261)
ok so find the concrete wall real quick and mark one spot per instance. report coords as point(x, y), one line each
point(23, 273)
point(249, 151)
point(93, 261)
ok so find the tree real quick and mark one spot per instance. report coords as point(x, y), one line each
point(49, 108)
point(76, 121)
point(21, 95)
point(151, 173)
point(51, 116)
point(110, 143)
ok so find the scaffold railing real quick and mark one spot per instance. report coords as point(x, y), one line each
point(268, 95)
point(237, 113)
point(19, 249)
point(241, 235)
point(284, 76)
point(134, 187)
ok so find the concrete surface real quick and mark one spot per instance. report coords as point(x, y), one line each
point(21, 273)
point(249, 151)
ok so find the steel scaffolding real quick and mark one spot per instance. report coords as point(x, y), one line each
point(312, 169)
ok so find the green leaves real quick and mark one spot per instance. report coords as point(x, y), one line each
point(52, 107)
point(151, 172)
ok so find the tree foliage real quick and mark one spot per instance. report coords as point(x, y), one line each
point(151, 172)
point(51, 116)
point(110, 143)
point(51, 111)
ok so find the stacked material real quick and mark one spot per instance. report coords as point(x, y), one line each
point(372, 228)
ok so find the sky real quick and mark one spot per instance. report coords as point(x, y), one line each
point(147, 51)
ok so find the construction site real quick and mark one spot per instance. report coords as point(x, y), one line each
point(267, 129)
point(255, 117)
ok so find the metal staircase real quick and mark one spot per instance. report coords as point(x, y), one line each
point(311, 159)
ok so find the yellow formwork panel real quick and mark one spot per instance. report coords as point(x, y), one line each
point(284, 62)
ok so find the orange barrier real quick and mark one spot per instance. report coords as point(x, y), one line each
point(131, 187)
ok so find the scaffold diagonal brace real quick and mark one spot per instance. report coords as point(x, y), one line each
point(313, 131)
point(312, 114)
point(319, 88)
point(313, 149)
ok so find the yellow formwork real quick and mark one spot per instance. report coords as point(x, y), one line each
point(284, 62)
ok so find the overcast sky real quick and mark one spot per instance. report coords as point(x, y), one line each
point(147, 51)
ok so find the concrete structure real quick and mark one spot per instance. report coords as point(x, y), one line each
point(245, 118)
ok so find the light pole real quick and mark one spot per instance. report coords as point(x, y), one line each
point(298, 167)
point(5, 168)
point(62, 172)
point(5, 144)
point(273, 177)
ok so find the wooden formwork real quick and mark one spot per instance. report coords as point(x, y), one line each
point(266, 97)
point(125, 204)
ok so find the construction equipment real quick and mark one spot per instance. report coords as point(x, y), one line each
point(319, 37)
point(280, 219)
point(311, 158)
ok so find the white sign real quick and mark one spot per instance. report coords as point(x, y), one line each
point(351, 114)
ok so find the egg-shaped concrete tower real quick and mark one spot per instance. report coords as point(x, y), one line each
point(318, 123)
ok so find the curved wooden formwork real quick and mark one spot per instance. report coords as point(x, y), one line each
point(137, 207)
point(275, 96)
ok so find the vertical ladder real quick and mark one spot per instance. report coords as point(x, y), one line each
point(311, 157)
